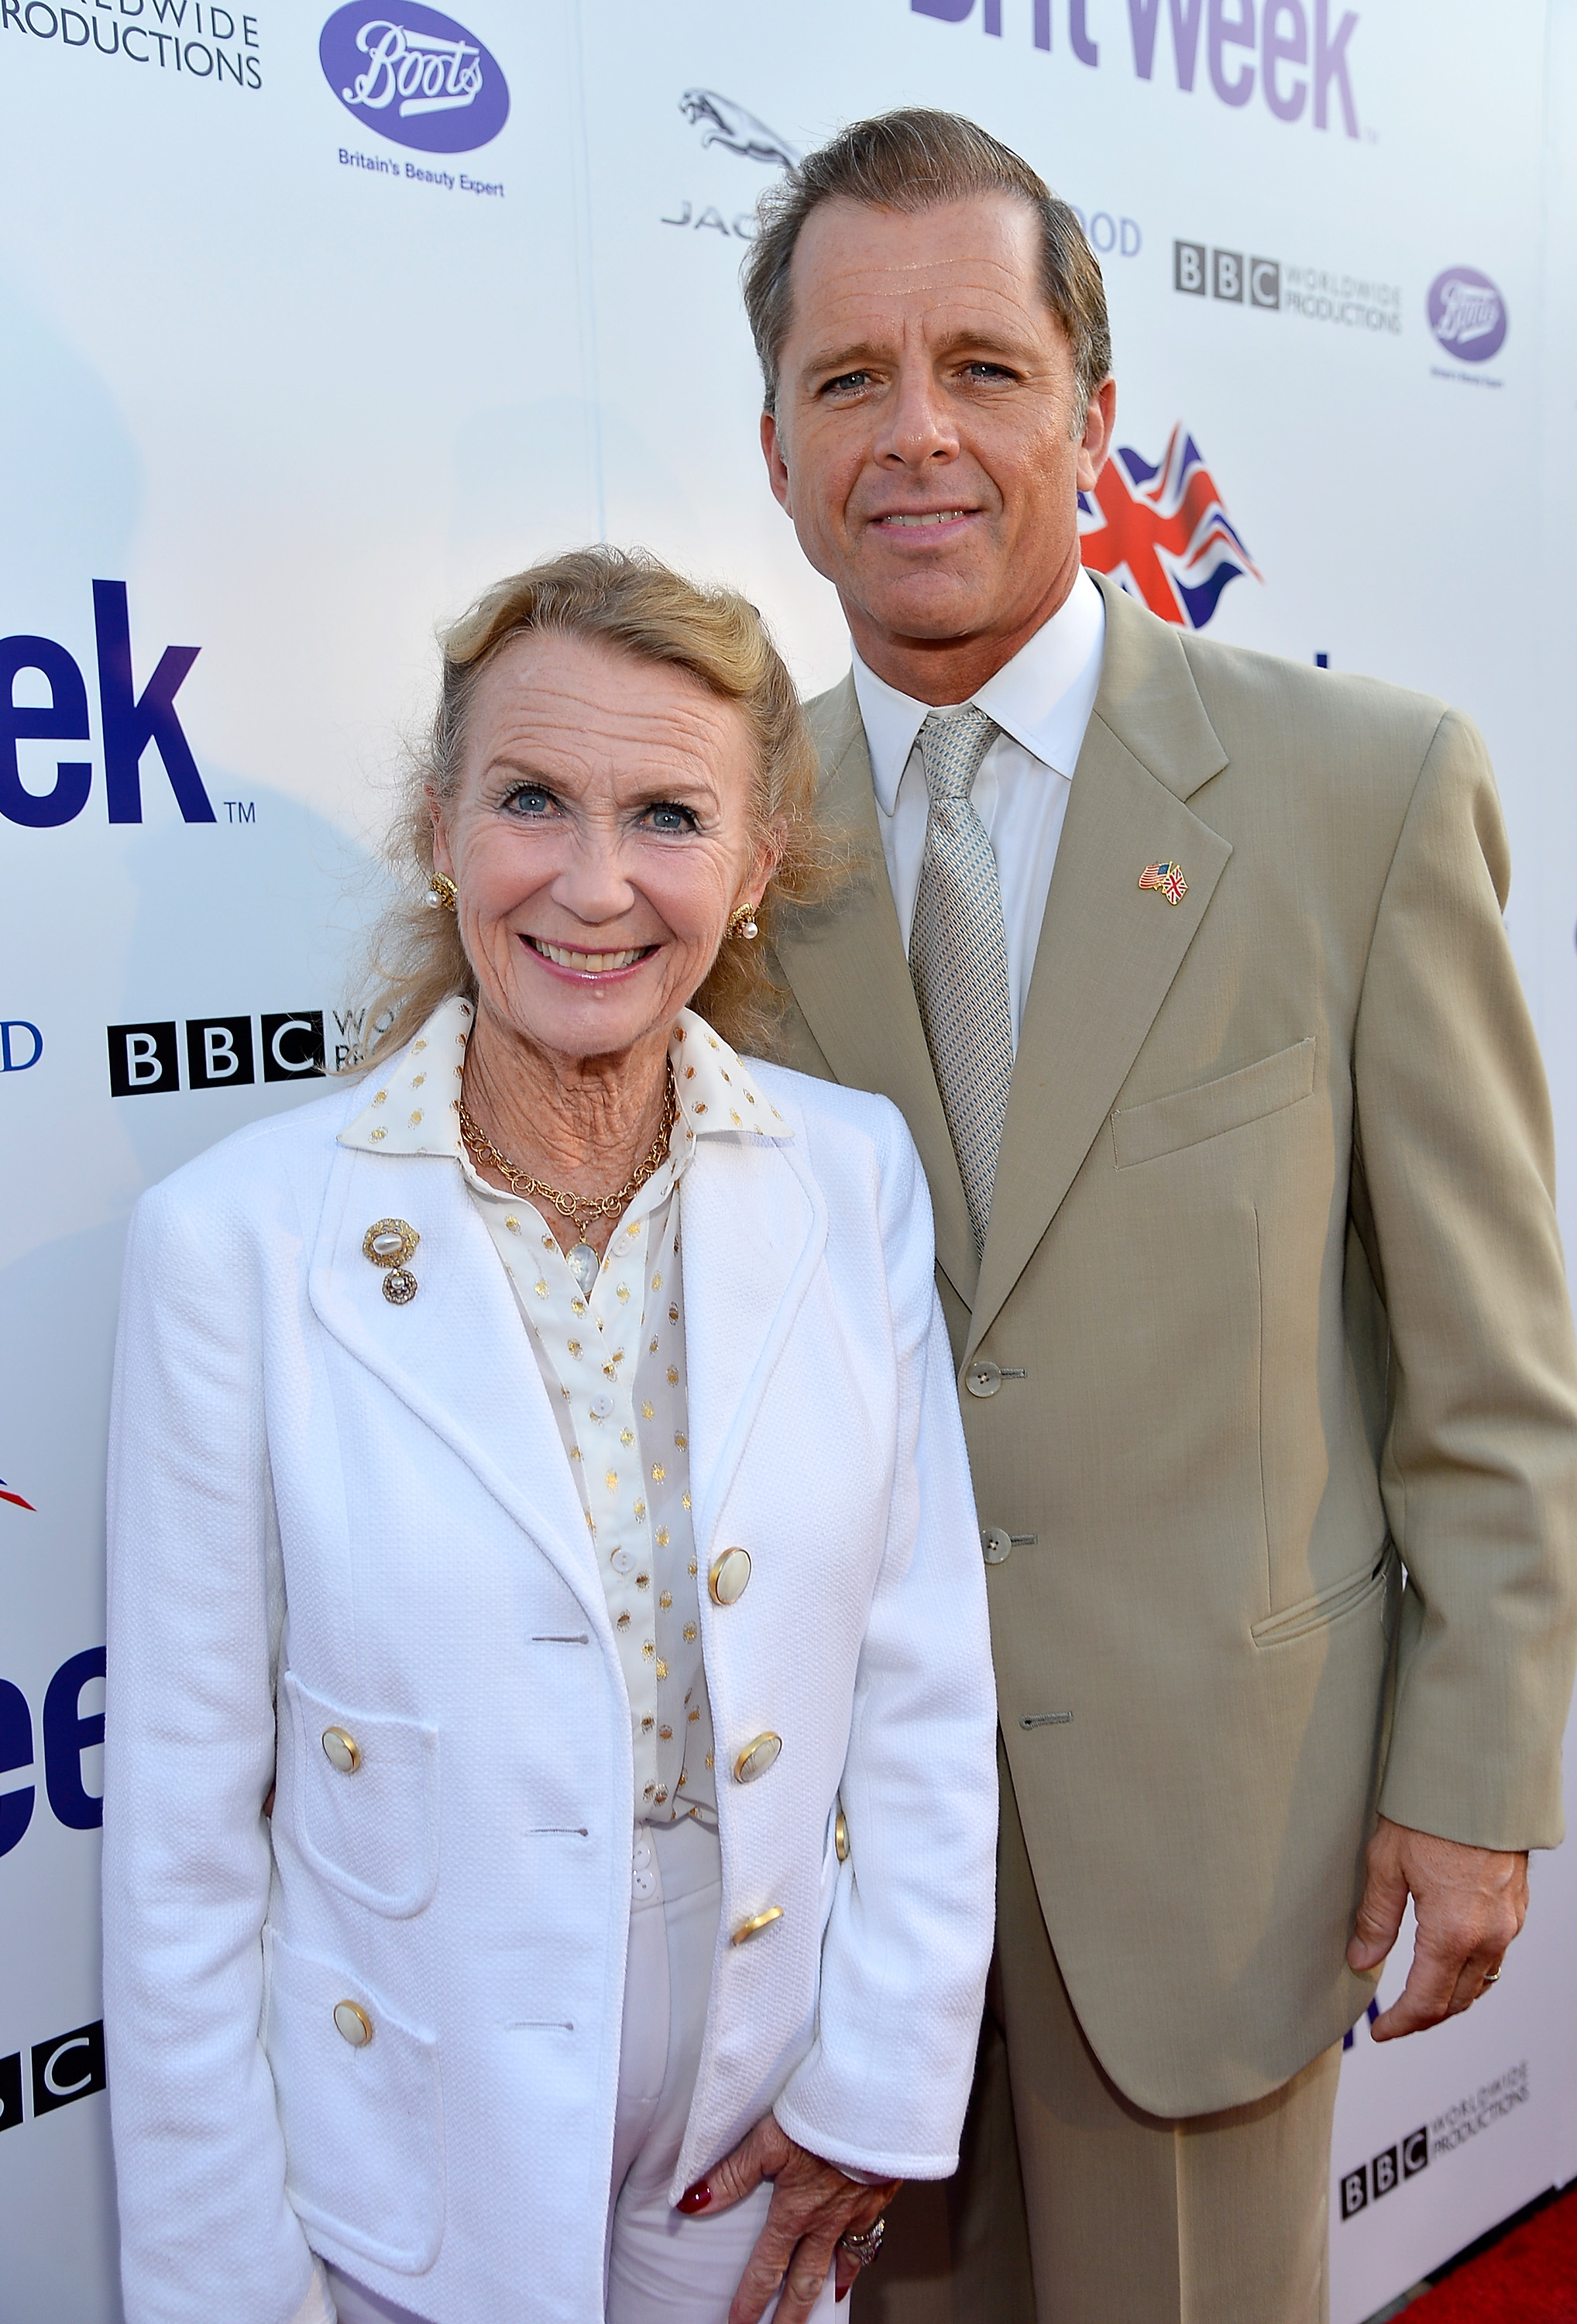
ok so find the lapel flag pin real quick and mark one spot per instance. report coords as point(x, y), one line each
point(1167, 879)
point(389, 1243)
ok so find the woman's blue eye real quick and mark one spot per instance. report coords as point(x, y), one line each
point(669, 818)
point(530, 802)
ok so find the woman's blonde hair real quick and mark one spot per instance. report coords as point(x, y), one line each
point(629, 599)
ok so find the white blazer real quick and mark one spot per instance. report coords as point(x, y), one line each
point(326, 1510)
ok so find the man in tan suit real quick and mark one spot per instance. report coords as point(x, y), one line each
point(1186, 968)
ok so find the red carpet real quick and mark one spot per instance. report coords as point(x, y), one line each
point(1529, 2277)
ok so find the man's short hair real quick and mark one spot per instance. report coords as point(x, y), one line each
point(911, 160)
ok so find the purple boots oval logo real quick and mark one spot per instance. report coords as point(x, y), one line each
point(414, 76)
point(1467, 314)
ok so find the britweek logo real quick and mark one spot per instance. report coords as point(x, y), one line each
point(129, 723)
point(1163, 531)
point(413, 75)
point(1467, 314)
point(1296, 57)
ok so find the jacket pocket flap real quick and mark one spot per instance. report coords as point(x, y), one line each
point(1141, 1133)
point(362, 2117)
point(1328, 1606)
point(360, 1791)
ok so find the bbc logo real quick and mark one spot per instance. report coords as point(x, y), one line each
point(1370, 2180)
point(68, 2067)
point(1225, 274)
point(144, 1060)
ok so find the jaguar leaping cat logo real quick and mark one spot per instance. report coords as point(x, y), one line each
point(724, 122)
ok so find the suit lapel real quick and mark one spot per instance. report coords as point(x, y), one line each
point(457, 1355)
point(1108, 950)
point(752, 1231)
point(850, 975)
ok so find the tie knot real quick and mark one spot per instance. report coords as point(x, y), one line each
point(952, 744)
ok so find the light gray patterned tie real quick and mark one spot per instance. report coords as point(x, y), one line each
point(958, 956)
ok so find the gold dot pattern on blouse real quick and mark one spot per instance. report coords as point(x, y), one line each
point(613, 1360)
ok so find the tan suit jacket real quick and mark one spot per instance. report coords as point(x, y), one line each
point(1275, 1288)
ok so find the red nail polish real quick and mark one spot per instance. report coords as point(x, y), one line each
point(694, 2198)
point(845, 2291)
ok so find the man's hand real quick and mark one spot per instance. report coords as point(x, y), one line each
point(1469, 1902)
point(813, 2204)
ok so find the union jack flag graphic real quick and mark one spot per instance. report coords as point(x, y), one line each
point(1163, 531)
point(6, 1495)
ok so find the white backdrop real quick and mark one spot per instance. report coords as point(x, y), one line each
point(300, 374)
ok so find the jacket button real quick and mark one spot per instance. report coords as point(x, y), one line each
point(341, 1750)
point(753, 1927)
point(757, 1757)
point(840, 1837)
point(996, 1544)
point(352, 2021)
point(729, 1575)
point(984, 1378)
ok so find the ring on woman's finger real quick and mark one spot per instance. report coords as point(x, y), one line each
point(1491, 1977)
point(864, 2247)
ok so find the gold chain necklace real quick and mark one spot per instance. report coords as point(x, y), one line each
point(579, 1209)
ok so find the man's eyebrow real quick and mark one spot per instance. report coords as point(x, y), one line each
point(854, 354)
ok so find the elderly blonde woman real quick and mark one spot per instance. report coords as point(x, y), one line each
point(550, 1821)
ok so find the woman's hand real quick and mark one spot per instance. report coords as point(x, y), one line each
point(812, 2205)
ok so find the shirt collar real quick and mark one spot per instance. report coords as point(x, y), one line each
point(415, 1106)
point(1043, 697)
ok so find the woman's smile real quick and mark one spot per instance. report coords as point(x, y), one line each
point(570, 961)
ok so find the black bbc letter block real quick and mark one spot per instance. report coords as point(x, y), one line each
point(292, 1046)
point(10, 2091)
point(1265, 282)
point(1354, 2192)
point(1384, 2173)
point(69, 2067)
point(143, 1060)
point(1226, 274)
point(1416, 2151)
point(1188, 268)
point(218, 1052)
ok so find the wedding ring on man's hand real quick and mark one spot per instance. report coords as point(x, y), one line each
point(865, 2247)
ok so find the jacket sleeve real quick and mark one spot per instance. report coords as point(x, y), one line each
point(1479, 1464)
point(905, 1950)
point(196, 1602)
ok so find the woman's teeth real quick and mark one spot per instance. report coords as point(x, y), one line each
point(587, 964)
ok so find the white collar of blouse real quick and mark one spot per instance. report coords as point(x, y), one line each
point(414, 1108)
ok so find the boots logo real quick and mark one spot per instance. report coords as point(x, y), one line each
point(414, 76)
point(1467, 314)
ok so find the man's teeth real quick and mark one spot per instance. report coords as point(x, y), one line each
point(936, 516)
point(589, 964)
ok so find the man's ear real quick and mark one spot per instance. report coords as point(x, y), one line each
point(775, 454)
point(1100, 427)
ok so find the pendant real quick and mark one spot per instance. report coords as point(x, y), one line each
point(584, 1265)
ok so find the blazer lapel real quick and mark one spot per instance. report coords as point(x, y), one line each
point(457, 1355)
point(1108, 950)
point(753, 1231)
point(849, 973)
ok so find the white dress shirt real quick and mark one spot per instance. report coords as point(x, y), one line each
point(1041, 700)
point(613, 1362)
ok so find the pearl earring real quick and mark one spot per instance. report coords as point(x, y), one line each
point(440, 895)
point(743, 924)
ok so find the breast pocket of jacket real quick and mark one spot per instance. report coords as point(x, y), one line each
point(363, 1800)
point(1187, 1117)
point(360, 2105)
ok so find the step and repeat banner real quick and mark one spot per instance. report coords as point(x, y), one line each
point(316, 322)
